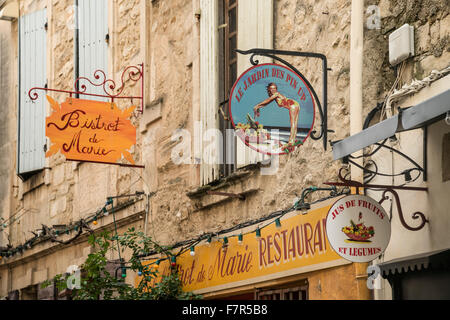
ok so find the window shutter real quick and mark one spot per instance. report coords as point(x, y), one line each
point(255, 30)
point(209, 92)
point(92, 46)
point(32, 73)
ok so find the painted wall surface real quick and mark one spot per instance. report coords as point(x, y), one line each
point(165, 37)
point(431, 24)
point(433, 204)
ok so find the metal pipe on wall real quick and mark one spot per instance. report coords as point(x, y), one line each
point(147, 209)
point(356, 113)
point(356, 68)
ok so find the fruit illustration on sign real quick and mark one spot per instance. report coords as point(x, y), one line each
point(358, 228)
point(358, 232)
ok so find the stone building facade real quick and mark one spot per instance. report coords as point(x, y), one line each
point(168, 38)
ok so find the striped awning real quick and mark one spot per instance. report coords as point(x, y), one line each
point(435, 260)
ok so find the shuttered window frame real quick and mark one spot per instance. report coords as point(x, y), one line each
point(91, 50)
point(255, 30)
point(209, 93)
point(255, 23)
point(32, 72)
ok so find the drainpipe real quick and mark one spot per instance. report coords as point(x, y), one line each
point(356, 117)
point(356, 67)
point(147, 209)
point(9, 284)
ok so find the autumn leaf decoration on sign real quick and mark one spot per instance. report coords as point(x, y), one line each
point(87, 130)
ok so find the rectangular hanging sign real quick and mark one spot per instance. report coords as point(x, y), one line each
point(87, 130)
point(300, 245)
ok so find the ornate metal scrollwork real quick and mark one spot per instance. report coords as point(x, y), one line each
point(131, 73)
point(416, 215)
point(134, 74)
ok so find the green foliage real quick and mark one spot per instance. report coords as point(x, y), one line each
point(97, 283)
point(170, 289)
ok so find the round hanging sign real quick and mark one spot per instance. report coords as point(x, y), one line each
point(272, 109)
point(358, 228)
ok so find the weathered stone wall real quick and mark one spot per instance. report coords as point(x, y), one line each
point(67, 191)
point(317, 26)
point(431, 45)
point(173, 32)
point(172, 38)
point(6, 145)
point(176, 216)
point(70, 190)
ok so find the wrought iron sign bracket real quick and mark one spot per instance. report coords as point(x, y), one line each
point(131, 73)
point(323, 112)
point(421, 169)
point(387, 188)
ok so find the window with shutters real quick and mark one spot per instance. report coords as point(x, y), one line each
point(227, 25)
point(31, 144)
point(227, 76)
point(91, 45)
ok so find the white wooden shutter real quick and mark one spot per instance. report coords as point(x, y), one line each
point(209, 91)
point(93, 50)
point(32, 73)
point(255, 30)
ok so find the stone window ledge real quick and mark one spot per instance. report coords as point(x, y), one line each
point(34, 182)
point(152, 113)
point(231, 184)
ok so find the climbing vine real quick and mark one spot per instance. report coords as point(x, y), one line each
point(95, 282)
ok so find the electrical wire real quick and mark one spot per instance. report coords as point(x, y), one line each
point(12, 219)
point(386, 104)
point(366, 124)
point(82, 224)
point(384, 174)
point(370, 176)
point(47, 233)
point(152, 193)
point(373, 174)
point(52, 233)
point(417, 85)
point(403, 155)
point(186, 244)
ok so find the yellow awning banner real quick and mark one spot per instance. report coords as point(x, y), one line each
point(299, 245)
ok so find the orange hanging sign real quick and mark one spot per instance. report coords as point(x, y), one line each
point(87, 130)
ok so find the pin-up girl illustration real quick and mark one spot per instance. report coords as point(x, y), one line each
point(283, 102)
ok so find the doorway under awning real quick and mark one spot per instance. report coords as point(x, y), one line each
point(419, 277)
point(418, 116)
point(434, 260)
